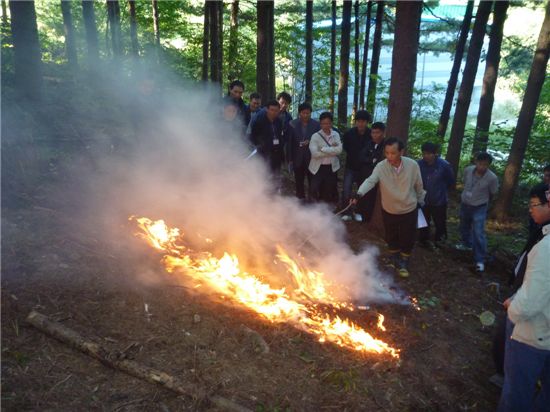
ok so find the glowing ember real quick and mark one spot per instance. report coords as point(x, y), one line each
point(299, 306)
point(381, 322)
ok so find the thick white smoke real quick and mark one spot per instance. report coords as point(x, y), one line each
point(188, 167)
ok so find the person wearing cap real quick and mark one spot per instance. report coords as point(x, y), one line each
point(438, 178)
point(354, 143)
point(401, 193)
point(527, 348)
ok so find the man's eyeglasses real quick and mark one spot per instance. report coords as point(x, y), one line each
point(531, 205)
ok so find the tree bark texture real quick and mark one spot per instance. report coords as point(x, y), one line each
point(68, 27)
point(117, 361)
point(309, 51)
point(156, 29)
point(234, 71)
point(490, 76)
point(403, 73)
point(27, 55)
point(133, 28)
point(113, 13)
point(205, 41)
point(365, 55)
point(375, 60)
point(219, 13)
point(525, 120)
point(214, 43)
point(453, 79)
point(468, 78)
point(88, 15)
point(356, 60)
point(271, 31)
point(4, 13)
point(265, 83)
point(344, 66)
point(332, 86)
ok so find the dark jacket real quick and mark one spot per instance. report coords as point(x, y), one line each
point(300, 155)
point(242, 112)
point(437, 179)
point(354, 145)
point(371, 155)
point(265, 133)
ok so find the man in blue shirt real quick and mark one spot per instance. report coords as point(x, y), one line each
point(437, 177)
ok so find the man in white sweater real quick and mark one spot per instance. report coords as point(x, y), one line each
point(401, 192)
point(527, 355)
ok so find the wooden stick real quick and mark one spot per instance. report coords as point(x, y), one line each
point(115, 361)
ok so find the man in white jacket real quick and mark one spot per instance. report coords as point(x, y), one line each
point(325, 146)
point(527, 355)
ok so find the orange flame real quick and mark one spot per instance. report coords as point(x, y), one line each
point(299, 306)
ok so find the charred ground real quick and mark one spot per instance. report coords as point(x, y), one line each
point(98, 288)
point(89, 286)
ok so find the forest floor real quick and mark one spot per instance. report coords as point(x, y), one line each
point(445, 351)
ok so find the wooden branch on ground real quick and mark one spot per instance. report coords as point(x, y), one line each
point(116, 361)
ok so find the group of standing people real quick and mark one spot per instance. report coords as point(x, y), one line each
point(375, 165)
point(378, 167)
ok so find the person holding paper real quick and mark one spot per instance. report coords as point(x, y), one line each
point(402, 192)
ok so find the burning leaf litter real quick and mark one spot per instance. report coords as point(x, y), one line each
point(304, 306)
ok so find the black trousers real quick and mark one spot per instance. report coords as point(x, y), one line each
point(323, 185)
point(439, 216)
point(300, 175)
point(400, 231)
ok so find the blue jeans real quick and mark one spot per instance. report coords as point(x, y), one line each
point(350, 176)
point(472, 229)
point(524, 365)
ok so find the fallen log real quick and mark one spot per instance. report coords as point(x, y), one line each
point(116, 361)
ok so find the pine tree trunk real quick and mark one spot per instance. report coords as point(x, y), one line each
point(262, 54)
point(4, 14)
point(205, 40)
point(403, 73)
point(156, 28)
point(492, 62)
point(332, 86)
point(468, 78)
point(525, 120)
point(214, 39)
point(356, 60)
point(88, 16)
point(27, 55)
point(271, 31)
point(344, 66)
point(133, 28)
point(309, 51)
point(453, 79)
point(375, 61)
point(365, 55)
point(70, 46)
point(234, 71)
point(113, 13)
point(219, 13)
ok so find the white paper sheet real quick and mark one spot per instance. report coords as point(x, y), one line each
point(421, 222)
